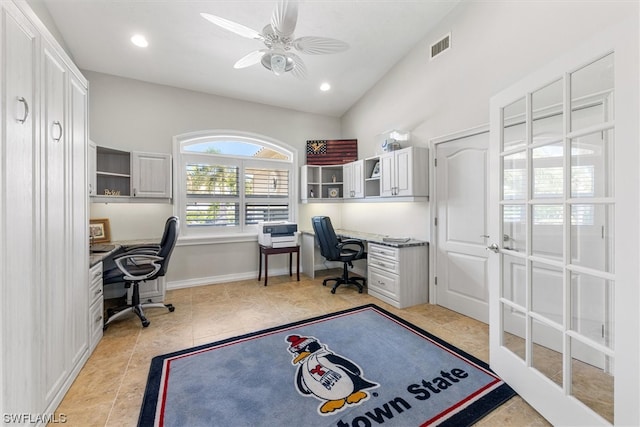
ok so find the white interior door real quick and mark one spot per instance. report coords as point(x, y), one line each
point(556, 152)
point(461, 203)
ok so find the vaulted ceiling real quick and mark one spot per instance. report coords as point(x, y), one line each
point(189, 52)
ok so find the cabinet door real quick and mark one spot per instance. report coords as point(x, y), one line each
point(347, 176)
point(77, 299)
point(387, 174)
point(19, 315)
point(55, 225)
point(357, 182)
point(151, 175)
point(404, 173)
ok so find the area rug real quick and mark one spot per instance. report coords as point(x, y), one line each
point(359, 367)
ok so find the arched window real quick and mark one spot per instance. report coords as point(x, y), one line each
point(228, 181)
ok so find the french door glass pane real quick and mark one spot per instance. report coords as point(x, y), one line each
point(546, 352)
point(514, 280)
point(592, 383)
point(546, 230)
point(513, 330)
point(592, 87)
point(548, 171)
point(514, 130)
point(592, 236)
point(592, 165)
point(592, 308)
point(514, 224)
point(546, 291)
point(546, 105)
point(514, 169)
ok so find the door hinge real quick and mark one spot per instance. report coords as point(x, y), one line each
point(435, 162)
point(435, 280)
point(435, 221)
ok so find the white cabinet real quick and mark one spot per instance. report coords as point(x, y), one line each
point(353, 176)
point(321, 183)
point(122, 176)
point(44, 209)
point(403, 173)
point(151, 175)
point(398, 275)
point(96, 306)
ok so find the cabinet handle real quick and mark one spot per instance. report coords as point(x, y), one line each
point(26, 110)
point(99, 318)
point(57, 124)
point(98, 291)
point(134, 192)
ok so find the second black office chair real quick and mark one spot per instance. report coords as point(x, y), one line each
point(139, 264)
point(334, 249)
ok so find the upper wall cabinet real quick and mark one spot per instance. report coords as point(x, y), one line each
point(123, 176)
point(400, 175)
point(403, 173)
point(353, 174)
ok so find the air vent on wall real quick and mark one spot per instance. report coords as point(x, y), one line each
point(441, 46)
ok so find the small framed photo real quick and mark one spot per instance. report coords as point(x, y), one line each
point(99, 231)
point(376, 170)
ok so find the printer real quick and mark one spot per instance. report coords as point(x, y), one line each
point(278, 234)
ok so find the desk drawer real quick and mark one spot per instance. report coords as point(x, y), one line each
point(96, 323)
point(381, 251)
point(385, 264)
point(383, 283)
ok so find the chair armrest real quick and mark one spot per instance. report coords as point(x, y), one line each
point(352, 242)
point(135, 258)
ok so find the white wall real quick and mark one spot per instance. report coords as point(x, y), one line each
point(133, 115)
point(494, 43)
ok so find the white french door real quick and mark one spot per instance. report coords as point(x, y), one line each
point(564, 298)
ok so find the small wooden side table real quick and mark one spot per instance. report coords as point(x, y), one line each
point(268, 250)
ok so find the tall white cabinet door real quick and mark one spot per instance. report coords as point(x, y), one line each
point(151, 175)
point(387, 174)
point(55, 224)
point(18, 293)
point(79, 218)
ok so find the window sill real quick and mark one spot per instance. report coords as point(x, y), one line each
point(214, 240)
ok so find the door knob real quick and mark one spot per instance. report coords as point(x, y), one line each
point(493, 248)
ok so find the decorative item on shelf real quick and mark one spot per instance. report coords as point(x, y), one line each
point(99, 231)
point(332, 151)
point(108, 192)
point(392, 140)
point(333, 192)
point(375, 173)
point(311, 195)
point(333, 178)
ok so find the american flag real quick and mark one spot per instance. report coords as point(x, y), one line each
point(331, 151)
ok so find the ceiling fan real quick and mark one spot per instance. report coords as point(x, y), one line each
point(277, 36)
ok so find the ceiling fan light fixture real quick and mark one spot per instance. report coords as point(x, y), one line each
point(278, 62)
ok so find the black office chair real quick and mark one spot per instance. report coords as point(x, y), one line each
point(334, 249)
point(139, 264)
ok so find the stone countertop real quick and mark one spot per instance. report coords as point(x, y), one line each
point(381, 239)
point(96, 257)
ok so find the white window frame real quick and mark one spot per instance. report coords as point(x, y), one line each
point(213, 234)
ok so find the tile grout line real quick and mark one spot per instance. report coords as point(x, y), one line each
point(124, 375)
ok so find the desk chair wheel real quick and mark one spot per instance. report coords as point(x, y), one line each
point(170, 307)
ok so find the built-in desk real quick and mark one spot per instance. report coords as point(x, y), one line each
point(396, 269)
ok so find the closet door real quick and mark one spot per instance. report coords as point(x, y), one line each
point(79, 262)
point(55, 223)
point(18, 228)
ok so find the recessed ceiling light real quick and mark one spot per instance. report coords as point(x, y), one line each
point(325, 86)
point(139, 40)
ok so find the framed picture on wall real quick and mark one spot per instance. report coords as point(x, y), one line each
point(99, 231)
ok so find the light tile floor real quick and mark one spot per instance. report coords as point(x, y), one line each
point(109, 389)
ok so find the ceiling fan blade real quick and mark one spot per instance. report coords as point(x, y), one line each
point(234, 27)
point(285, 17)
point(250, 59)
point(299, 69)
point(319, 45)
